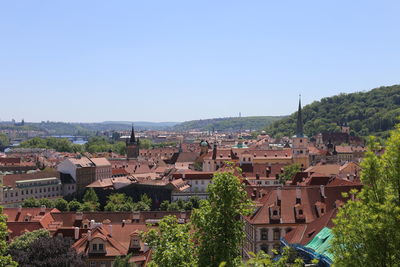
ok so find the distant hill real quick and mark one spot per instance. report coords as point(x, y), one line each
point(228, 124)
point(75, 128)
point(144, 124)
point(373, 112)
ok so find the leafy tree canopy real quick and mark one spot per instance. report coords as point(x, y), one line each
point(172, 244)
point(219, 229)
point(366, 231)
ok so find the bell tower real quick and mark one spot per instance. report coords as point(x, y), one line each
point(300, 142)
point(132, 146)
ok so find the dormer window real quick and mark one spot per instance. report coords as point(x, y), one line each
point(97, 246)
point(299, 212)
point(275, 212)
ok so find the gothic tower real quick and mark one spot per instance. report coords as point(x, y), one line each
point(132, 146)
point(300, 142)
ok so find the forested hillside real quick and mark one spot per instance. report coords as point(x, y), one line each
point(228, 124)
point(374, 112)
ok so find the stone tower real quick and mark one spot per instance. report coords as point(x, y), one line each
point(132, 146)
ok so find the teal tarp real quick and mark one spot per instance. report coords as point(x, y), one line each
point(321, 242)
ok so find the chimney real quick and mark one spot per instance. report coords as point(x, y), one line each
point(89, 235)
point(42, 208)
point(19, 209)
point(298, 195)
point(76, 233)
point(279, 193)
point(110, 230)
point(183, 215)
point(136, 215)
point(322, 188)
point(92, 224)
point(78, 216)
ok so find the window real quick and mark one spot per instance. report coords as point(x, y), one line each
point(277, 234)
point(300, 212)
point(94, 247)
point(264, 234)
point(101, 247)
point(102, 264)
point(275, 212)
point(92, 264)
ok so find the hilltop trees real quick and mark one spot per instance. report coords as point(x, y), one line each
point(373, 112)
point(366, 231)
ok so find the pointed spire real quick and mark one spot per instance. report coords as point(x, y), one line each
point(132, 139)
point(299, 126)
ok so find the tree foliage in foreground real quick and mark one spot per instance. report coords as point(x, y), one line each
point(123, 261)
point(218, 224)
point(5, 258)
point(172, 244)
point(289, 258)
point(48, 252)
point(22, 242)
point(366, 231)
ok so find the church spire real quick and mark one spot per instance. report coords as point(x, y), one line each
point(132, 139)
point(299, 126)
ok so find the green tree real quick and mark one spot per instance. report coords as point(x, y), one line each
point(288, 258)
point(145, 144)
point(123, 261)
point(219, 228)
point(22, 242)
point(164, 205)
point(45, 202)
point(49, 252)
point(4, 140)
point(89, 206)
point(5, 258)
point(172, 244)
point(289, 172)
point(74, 205)
point(173, 207)
point(90, 196)
point(61, 204)
point(366, 229)
point(119, 202)
point(30, 203)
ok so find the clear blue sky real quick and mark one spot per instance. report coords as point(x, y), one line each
point(181, 60)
